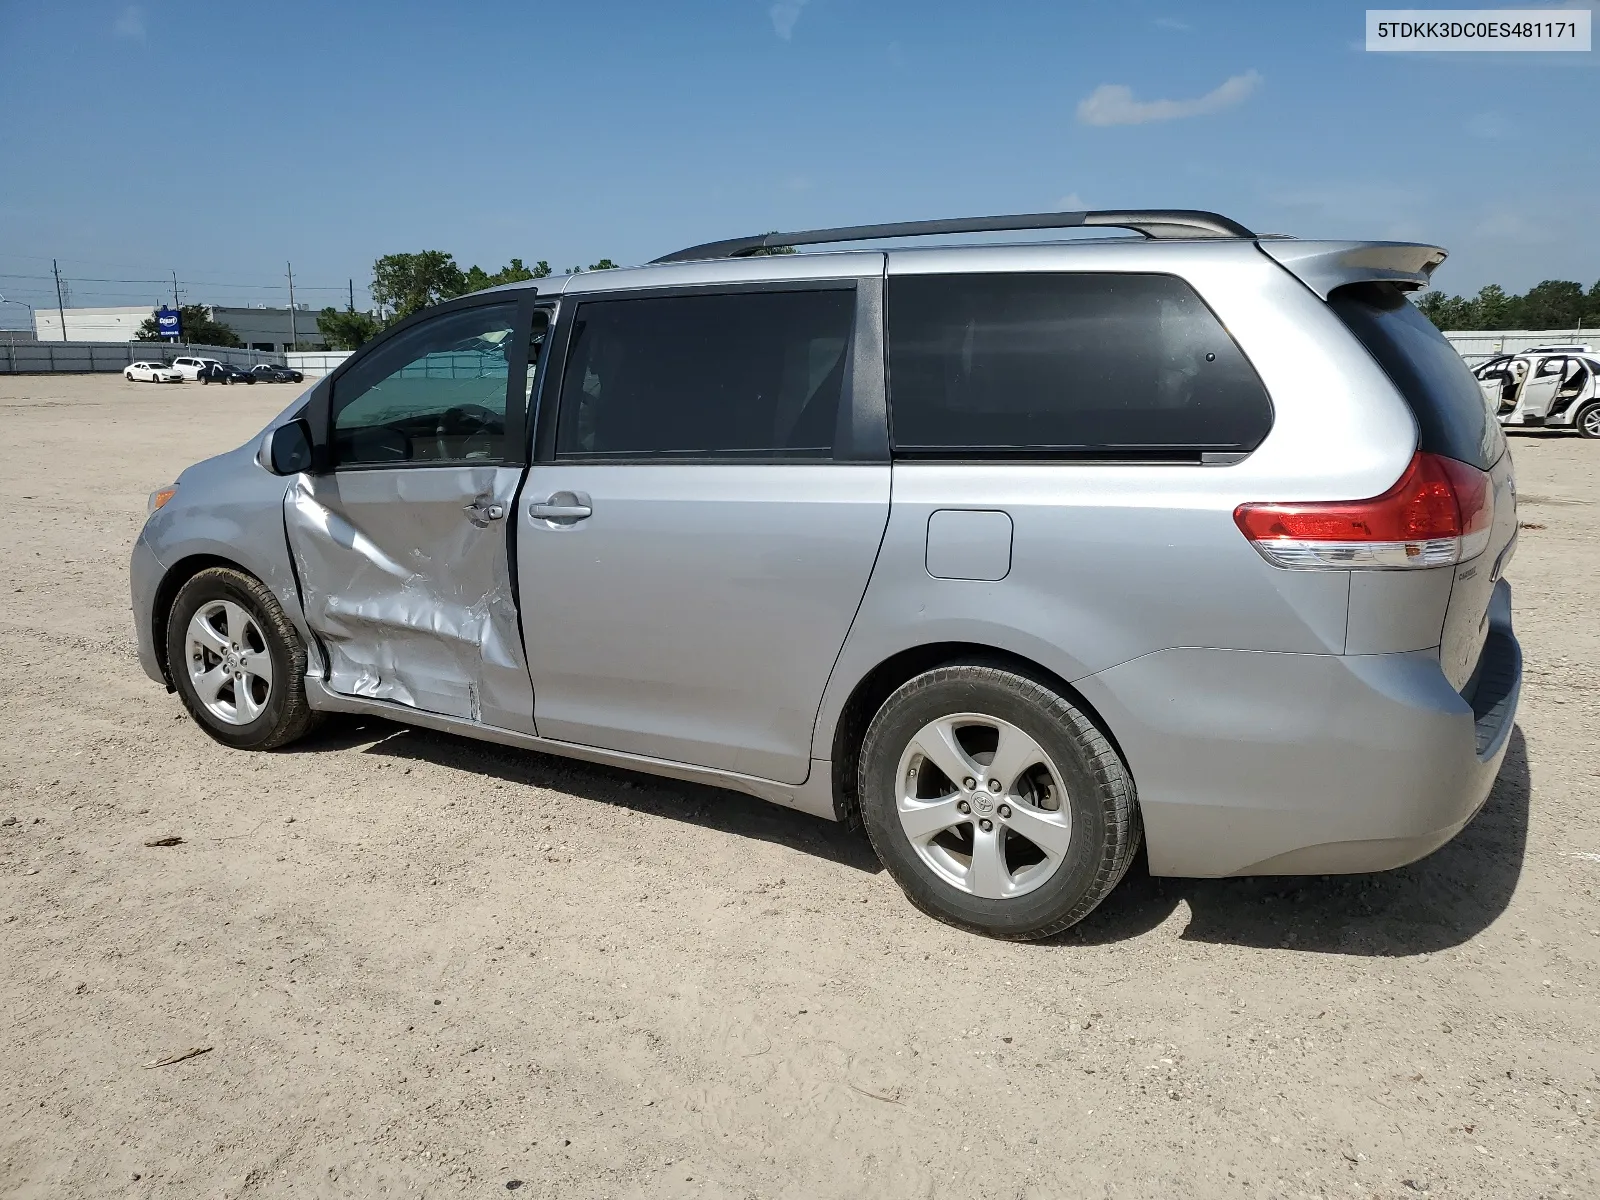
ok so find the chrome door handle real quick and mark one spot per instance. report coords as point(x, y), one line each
point(557, 512)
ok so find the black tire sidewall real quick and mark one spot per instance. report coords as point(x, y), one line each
point(204, 588)
point(1074, 882)
point(1577, 418)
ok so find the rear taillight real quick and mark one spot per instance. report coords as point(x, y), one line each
point(1440, 513)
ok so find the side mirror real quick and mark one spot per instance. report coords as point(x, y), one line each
point(289, 449)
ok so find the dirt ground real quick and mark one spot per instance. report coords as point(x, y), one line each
point(419, 965)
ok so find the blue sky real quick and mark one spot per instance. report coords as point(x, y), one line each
point(220, 140)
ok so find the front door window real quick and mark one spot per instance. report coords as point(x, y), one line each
point(436, 394)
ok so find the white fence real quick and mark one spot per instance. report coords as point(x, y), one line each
point(316, 362)
point(39, 358)
point(35, 358)
point(1479, 345)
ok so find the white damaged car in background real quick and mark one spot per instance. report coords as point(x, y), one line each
point(1556, 387)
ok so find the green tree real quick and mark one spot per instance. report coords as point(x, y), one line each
point(1493, 309)
point(768, 251)
point(197, 328)
point(404, 283)
point(513, 272)
point(1553, 304)
point(1446, 312)
point(347, 329)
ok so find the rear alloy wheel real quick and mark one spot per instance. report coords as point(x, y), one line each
point(995, 803)
point(236, 661)
point(1587, 422)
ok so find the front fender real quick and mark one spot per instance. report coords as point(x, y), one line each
point(227, 508)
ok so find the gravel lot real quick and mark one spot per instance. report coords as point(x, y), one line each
point(422, 965)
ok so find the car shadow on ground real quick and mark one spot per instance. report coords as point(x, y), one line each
point(1439, 902)
point(1431, 905)
point(694, 804)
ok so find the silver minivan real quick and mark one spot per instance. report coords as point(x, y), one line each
point(1017, 555)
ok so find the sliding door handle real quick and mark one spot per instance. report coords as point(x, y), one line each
point(563, 506)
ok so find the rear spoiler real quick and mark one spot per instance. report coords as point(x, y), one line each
point(1324, 266)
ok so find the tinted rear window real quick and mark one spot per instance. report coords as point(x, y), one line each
point(1452, 417)
point(746, 374)
point(1109, 365)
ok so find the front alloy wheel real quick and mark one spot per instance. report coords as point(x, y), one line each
point(229, 665)
point(236, 661)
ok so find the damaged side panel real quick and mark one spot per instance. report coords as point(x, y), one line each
point(405, 578)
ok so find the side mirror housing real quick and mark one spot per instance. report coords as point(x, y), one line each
point(288, 449)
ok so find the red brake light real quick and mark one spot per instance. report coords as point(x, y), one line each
point(1439, 512)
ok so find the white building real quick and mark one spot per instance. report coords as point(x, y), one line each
point(89, 324)
point(259, 328)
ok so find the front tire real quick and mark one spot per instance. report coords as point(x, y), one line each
point(995, 803)
point(1587, 420)
point(237, 663)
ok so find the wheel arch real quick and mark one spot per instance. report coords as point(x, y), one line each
point(879, 683)
point(167, 590)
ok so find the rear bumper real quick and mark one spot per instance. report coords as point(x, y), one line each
point(1292, 764)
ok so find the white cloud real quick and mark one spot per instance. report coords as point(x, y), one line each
point(1173, 24)
point(1354, 208)
point(1071, 202)
point(130, 24)
point(1491, 125)
point(1508, 225)
point(1114, 104)
point(784, 14)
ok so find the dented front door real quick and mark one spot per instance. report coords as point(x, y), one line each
point(406, 583)
point(401, 543)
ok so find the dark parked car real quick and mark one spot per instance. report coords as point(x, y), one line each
point(220, 372)
point(269, 373)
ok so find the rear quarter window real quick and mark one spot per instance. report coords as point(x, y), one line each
point(1091, 364)
point(1444, 397)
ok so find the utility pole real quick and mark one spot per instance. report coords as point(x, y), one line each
point(294, 339)
point(60, 305)
point(175, 307)
point(352, 295)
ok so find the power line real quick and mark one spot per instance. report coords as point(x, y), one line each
point(265, 287)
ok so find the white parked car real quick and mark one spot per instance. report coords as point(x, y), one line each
point(152, 372)
point(1557, 387)
point(190, 368)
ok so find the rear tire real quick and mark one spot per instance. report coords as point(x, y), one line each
point(237, 663)
point(964, 849)
point(1587, 420)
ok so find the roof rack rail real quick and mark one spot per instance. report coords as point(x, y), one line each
point(1152, 222)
